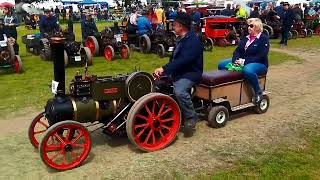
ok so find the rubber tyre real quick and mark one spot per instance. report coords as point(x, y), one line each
point(108, 53)
point(270, 29)
point(160, 50)
point(132, 122)
point(145, 44)
point(125, 51)
point(85, 52)
point(218, 116)
point(93, 45)
point(54, 129)
point(263, 105)
point(18, 66)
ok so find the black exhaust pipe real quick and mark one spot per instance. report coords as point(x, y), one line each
point(57, 45)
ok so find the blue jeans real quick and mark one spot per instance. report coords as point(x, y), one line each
point(182, 92)
point(250, 71)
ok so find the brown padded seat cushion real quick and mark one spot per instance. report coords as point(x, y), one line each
point(217, 77)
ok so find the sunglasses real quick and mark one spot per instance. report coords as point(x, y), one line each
point(251, 25)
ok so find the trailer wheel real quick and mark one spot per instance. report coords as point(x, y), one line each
point(18, 66)
point(92, 44)
point(208, 44)
point(36, 129)
point(109, 53)
point(45, 52)
point(309, 32)
point(160, 50)
point(153, 122)
point(125, 51)
point(218, 116)
point(263, 105)
point(65, 58)
point(145, 44)
point(295, 34)
point(85, 53)
point(65, 145)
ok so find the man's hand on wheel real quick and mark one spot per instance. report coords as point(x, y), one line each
point(158, 72)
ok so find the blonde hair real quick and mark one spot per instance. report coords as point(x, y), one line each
point(257, 23)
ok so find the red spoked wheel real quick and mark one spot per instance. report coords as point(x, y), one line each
point(65, 145)
point(153, 122)
point(125, 51)
point(92, 44)
point(37, 128)
point(109, 53)
point(222, 42)
point(18, 68)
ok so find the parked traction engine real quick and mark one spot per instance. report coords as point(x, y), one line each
point(64, 142)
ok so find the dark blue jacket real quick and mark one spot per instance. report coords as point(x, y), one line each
point(257, 52)
point(48, 25)
point(143, 25)
point(3, 31)
point(88, 28)
point(187, 59)
point(288, 18)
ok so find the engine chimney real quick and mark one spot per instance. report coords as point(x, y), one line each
point(57, 45)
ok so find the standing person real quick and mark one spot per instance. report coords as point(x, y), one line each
point(64, 13)
point(185, 67)
point(255, 13)
point(252, 52)
point(240, 12)
point(287, 22)
point(228, 11)
point(11, 23)
point(88, 27)
point(161, 18)
point(57, 12)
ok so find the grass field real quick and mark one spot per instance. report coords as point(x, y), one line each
point(31, 89)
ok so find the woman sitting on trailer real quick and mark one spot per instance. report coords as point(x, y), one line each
point(252, 53)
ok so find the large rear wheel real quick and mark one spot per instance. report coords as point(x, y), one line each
point(153, 122)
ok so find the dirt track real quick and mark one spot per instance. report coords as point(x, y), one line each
point(295, 105)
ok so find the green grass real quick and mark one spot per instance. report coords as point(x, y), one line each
point(299, 43)
point(31, 89)
point(281, 163)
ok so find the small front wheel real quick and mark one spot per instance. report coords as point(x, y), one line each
point(65, 145)
point(218, 116)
